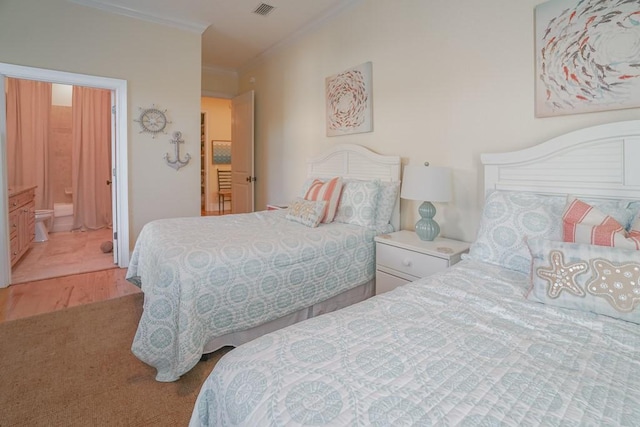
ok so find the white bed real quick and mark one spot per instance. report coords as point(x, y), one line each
point(468, 346)
point(210, 282)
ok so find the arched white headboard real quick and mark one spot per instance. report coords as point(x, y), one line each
point(599, 162)
point(357, 162)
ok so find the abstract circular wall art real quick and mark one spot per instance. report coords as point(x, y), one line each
point(349, 101)
point(587, 56)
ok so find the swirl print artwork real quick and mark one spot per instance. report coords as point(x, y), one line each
point(349, 103)
point(587, 56)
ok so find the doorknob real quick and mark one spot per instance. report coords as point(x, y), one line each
point(108, 182)
point(251, 179)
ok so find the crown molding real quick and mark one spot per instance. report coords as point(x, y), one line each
point(192, 26)
point(311, 26)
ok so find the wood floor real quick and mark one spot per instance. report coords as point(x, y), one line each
point(43, 296)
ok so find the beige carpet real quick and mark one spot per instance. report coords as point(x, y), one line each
point(74, 367)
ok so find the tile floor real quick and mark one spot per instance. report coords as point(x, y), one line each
point(63, 254)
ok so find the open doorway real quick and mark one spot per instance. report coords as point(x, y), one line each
point(59, 165)
point(215, 120)
point(118, 150)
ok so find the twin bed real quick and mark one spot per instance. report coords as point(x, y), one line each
point(529, 329)
point(211, 282)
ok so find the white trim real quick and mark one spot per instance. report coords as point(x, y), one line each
point(212, 94)
point(597, 162)
point(357, 162)
point(182, 24)
point(122, 162)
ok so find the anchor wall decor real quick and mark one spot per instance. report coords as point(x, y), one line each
point(177, 163)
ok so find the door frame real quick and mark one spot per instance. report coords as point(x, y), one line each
point(120, 163)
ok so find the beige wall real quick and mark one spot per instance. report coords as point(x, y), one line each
point(219, 83)
point(161, 66)
point(451, 80)
point(218, 118)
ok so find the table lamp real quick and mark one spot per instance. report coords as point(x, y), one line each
point(429, 184)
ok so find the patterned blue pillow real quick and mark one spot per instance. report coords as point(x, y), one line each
point(358, 203)
point(507, 218)
point(387, 198)
point(598, 279)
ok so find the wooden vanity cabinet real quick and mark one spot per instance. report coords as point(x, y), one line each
point(22, 217)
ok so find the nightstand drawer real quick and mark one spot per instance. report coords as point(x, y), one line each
point(409, 262)
point(386, 282)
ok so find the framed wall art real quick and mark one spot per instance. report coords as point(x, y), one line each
point(349, 101)
point(221, 152)
point(587, 56)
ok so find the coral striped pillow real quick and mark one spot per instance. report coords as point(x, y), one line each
point(582, 223)
point(328, 191)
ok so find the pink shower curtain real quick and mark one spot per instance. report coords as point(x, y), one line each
point(28, 112)
point(91, 158)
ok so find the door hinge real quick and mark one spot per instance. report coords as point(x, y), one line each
point(115, 235)
point(113, 172)
point(113, 109)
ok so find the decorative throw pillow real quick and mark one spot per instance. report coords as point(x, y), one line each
point(306, 212)
point(583, 223)
point(507, 218)
point(387, 198)
point(598, 279)
point(328, 191)
point(358, 203)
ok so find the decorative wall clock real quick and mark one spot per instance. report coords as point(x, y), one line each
point(152, 120)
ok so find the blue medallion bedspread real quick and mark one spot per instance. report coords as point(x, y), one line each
point(209, 276)
point(462, 347)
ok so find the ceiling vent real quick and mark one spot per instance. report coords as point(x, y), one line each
point(263, 9)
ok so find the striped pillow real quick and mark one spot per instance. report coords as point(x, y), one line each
point(582, 223)
point(328, 191)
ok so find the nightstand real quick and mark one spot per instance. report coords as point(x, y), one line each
point(276, 207)
point(401, 257)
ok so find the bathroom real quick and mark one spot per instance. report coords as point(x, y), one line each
point(59, 140)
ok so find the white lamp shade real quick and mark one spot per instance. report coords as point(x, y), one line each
point(426, 183)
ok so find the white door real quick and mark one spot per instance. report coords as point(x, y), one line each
point(5, 253)
point(242, 176)
point(113, 184)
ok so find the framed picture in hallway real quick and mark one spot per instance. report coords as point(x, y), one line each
point(349, 101)
point(221, 152)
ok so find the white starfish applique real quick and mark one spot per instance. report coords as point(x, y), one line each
point(562, 276)
point(618, 284)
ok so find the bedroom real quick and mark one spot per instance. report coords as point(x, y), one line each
point(452, 80)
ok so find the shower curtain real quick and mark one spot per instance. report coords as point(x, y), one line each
point(91, 158)
point(28, 112)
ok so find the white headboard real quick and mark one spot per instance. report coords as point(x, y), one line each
point(357, 162)
point(599, 162)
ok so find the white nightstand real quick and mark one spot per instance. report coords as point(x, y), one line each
point(401, 257)
point(274, 207)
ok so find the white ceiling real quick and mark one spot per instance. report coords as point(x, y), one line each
point(232, 35)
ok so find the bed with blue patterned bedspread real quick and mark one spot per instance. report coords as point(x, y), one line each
point(462, 347)
point(210, 276)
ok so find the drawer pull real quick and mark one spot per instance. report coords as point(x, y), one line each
point(406, 262)
point(15, 203)
point(14, 225)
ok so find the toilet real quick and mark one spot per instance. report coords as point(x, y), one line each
point(42, 215)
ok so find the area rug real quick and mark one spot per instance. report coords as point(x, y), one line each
point(74, 367)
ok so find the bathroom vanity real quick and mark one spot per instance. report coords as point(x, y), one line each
point(22, 213)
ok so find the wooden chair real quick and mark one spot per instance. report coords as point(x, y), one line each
point(224, 188)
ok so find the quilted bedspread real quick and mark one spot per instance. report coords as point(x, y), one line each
point(209, 276)
point(462, 347)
